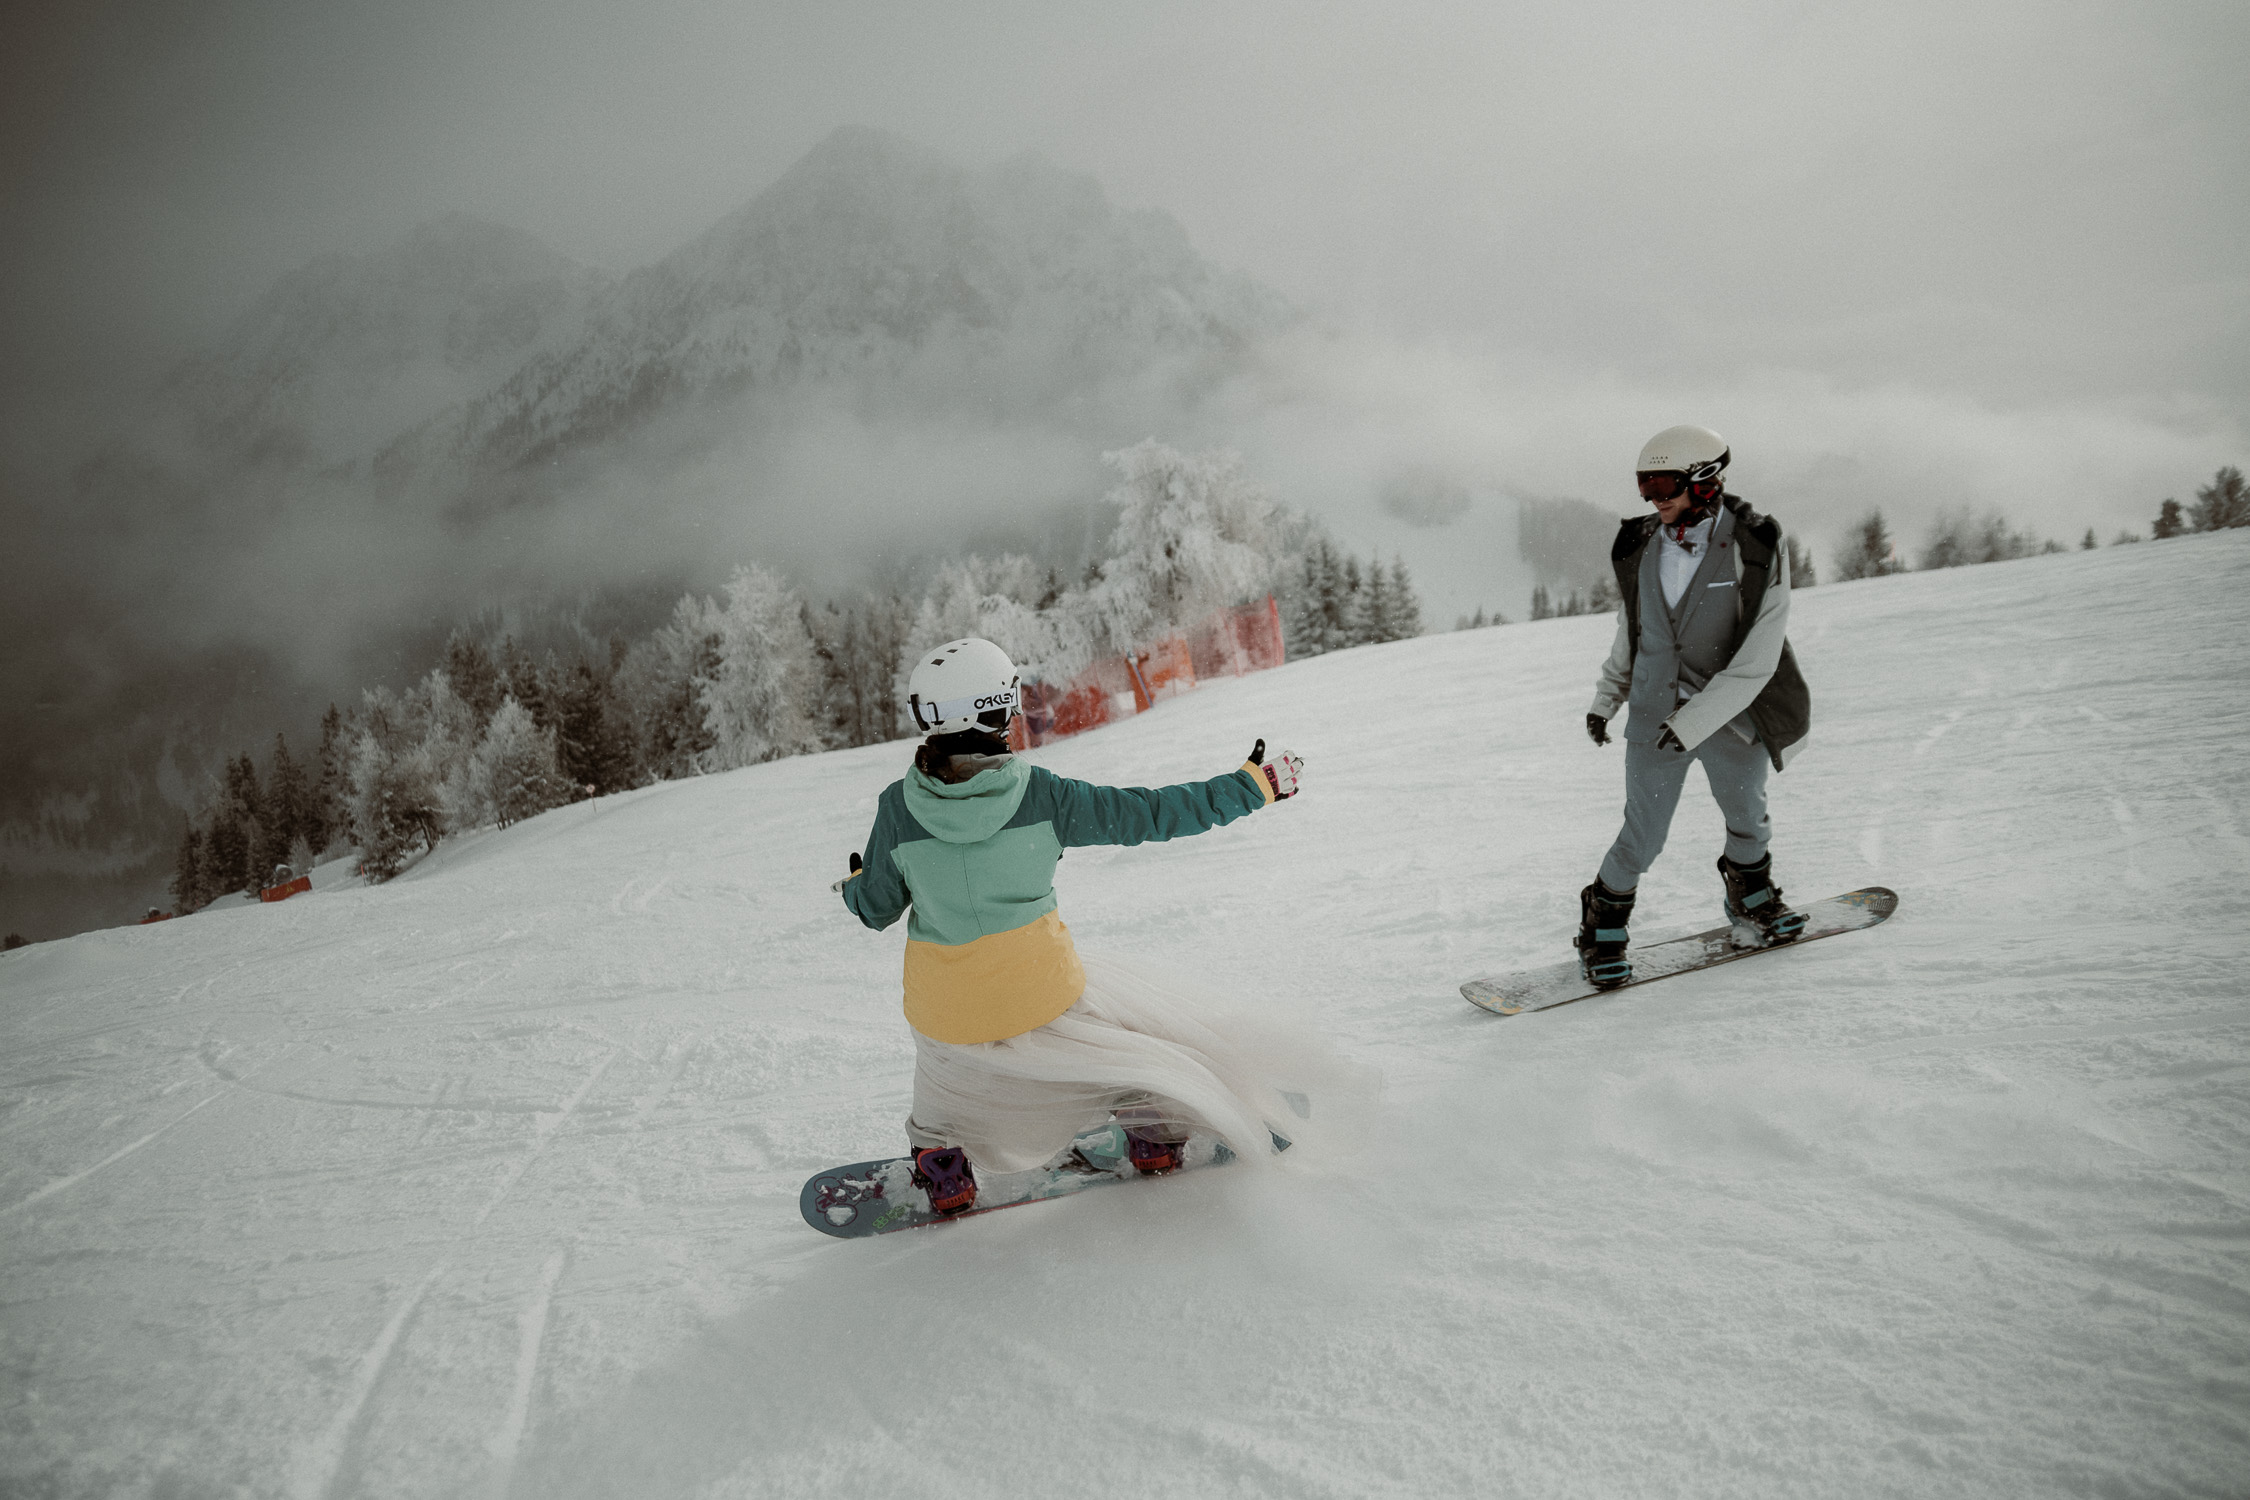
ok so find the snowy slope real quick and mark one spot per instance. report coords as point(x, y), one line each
point(483, 1182)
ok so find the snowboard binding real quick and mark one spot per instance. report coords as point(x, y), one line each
point(1755, 908)
point(945, 1174)
point(1601, 940)
point(1149, 1153)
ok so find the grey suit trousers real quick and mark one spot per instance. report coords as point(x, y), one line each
point(1653, 777)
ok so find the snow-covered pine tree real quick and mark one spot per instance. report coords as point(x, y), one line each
point(860, 646)
point(1351, 606)
point(654, 690)
point(1337, 599)
point(995, 598)
point(1802, 574)
point(187, 871)
point(1542, 606)
point(1377, 620)
point(2169, 522)
point(571, 754)
point(526, 683)
point(830, 627)
point(1959, 540)
point(324, 800)
point(435, 735)
point(1406, 605)
point(1304, 627)
point(475, 677)
point(248, 804)
point(620, 740)
point(395, 803)
point(1948, 546)
point(406, 767)
point(513, 772)
point(225, 852)
point(1869, 553)
point(285, 807)
point(2224, 503)
point(757, 702)
point(592, 751)
point(880, 690)
point(1193, 535)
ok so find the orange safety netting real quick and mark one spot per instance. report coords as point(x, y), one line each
point(1230, 643)
point(286, 889)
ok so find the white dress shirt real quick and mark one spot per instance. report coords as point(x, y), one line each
point(1676, 562)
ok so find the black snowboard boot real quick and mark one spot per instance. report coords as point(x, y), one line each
point(1755, 907)
point(1602, 915)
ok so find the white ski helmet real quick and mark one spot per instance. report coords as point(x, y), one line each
point(964, 684)
point(1697, 454)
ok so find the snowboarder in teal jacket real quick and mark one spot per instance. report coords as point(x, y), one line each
point(968, 842)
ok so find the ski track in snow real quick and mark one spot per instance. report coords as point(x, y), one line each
point(319, 1462)
point(509, 1438)
point(118, 1155)
point(502, 1197)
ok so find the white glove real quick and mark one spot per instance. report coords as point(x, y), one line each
point(1282, 772)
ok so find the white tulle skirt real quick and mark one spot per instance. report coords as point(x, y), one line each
point(1141, 1044)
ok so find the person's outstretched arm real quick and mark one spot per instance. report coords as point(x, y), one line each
point(1088, 814)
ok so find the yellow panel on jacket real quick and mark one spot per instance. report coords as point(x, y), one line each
point(1001, 985)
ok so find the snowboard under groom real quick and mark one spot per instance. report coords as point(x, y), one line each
point(1702, 667)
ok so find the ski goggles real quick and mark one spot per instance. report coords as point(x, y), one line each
point(1663, 484)
point(993, 710)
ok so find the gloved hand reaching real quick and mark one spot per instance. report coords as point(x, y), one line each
point(1670, 741)
point(1282, 772)
point(839, 885)
point(1597, 729)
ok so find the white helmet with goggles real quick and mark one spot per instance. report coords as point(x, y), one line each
point(1683, 458)
point(962, 685)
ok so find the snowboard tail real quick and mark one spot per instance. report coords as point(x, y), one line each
point(880, 1197)
point(1560, 984)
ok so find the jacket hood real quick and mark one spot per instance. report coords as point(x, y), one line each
point(968, 812)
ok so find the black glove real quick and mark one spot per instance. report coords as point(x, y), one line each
point(855, 863)
point(839, 885)
point(1258, 753)
point(1597, 729)
point(1670, 741)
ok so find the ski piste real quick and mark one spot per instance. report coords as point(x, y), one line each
point(1562, 983)
point(879, 1197)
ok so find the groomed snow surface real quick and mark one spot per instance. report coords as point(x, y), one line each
point(484, 1182)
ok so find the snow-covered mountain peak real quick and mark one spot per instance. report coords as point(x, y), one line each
point(875, 259)
point(349, 349)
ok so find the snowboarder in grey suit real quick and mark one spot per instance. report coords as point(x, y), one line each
point(1702, 667)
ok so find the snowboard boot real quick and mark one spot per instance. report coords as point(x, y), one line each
point(944, 1173)
point(1755, 907)
point(1601, 940)
point(1150, 1152)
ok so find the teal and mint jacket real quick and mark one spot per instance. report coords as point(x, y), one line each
point(987, 956)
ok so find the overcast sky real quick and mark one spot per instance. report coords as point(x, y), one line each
point(2033, 212)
